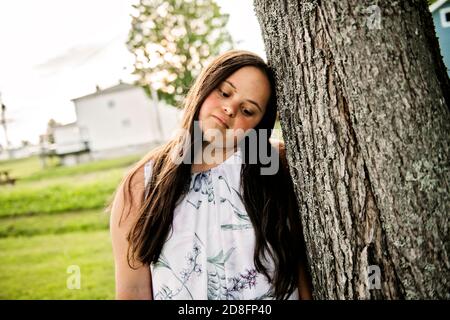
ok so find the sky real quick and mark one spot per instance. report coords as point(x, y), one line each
point(52, 51)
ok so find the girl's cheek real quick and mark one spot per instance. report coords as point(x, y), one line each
point(209, 104)
point(245, 123)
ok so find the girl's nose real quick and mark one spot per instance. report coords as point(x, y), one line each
point(230, 110)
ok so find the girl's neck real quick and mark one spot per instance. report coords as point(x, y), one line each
point(211, 157)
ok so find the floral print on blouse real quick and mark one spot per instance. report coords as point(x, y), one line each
point(208, 254)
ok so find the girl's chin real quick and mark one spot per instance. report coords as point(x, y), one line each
point(219, 145)
point(215, 130)
point(219, 139)
point(211, 125)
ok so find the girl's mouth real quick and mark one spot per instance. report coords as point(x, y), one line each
point(222, 122)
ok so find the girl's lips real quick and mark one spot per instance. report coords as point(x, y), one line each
point(221, 121)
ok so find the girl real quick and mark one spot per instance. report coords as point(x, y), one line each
point(216, 229)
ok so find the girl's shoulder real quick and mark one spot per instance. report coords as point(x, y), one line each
point(139, 175)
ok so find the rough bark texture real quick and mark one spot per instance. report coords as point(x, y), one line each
point(365, 117)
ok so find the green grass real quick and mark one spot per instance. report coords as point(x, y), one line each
point(89, 220)
point(54, 218)
point(60, 197)
point(86, 186)
point(82, 168)
point(22, 168)
point(29, 169)
point(36, 267)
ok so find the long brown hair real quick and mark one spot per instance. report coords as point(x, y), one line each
point(269, 199)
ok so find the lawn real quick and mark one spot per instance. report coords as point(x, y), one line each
point(53, 219)
point(59, 194)
point(36, 267)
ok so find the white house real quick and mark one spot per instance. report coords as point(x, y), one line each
point(69, 145)
point(116, 121)
point(441, 17)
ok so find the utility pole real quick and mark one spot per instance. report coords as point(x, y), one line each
point(3, 122)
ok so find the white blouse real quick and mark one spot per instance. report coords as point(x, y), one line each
point(209, 252)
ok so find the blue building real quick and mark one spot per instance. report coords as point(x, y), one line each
point(441, 18)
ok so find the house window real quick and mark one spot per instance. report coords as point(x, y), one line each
point(126, 123)
point(445, 17)
point(111, 104)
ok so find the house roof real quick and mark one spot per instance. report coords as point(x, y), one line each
point(119, 87)
point(437, 5)
point(66, 125)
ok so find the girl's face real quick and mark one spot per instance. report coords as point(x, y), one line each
point(239, 102)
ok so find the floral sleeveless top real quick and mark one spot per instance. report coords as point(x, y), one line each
point(209, 251)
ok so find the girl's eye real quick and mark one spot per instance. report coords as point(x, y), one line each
point(224, 94)
point(247, 112)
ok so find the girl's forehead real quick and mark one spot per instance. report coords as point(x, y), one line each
point(251, 83)
point(249, 74)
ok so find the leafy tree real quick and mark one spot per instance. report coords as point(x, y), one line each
point(50, 129)
point(172, 40)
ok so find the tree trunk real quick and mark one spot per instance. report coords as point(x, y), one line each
point(364, 106)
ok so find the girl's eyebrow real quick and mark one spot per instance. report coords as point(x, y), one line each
point(251, 101)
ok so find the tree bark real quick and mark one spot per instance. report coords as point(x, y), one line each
point(364, 110)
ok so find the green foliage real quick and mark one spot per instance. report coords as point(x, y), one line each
point(172, 40)
point(51, 125)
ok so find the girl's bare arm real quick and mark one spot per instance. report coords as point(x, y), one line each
point(130, 284)
point(304, 284)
